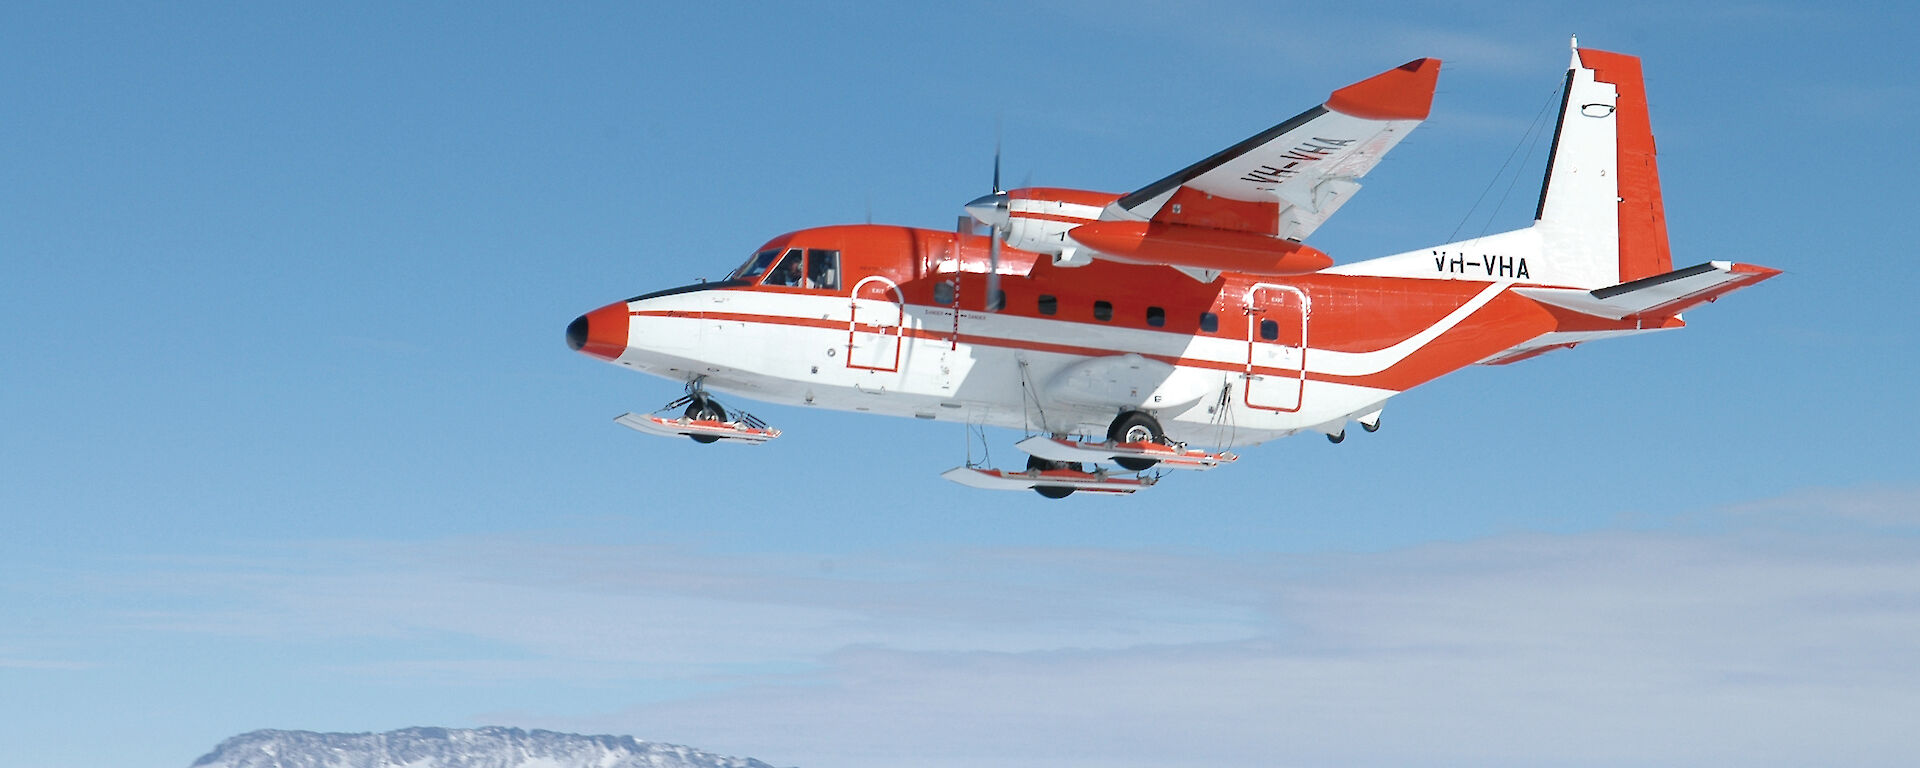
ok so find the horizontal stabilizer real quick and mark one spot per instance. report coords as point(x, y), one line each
point(1657, 296)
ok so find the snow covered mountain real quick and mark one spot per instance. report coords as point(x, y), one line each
point(491, 747)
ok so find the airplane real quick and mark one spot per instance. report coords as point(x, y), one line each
point(1131, 328)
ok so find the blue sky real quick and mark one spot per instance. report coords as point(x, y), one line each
point(292, 439)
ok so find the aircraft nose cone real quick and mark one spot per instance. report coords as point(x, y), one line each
point(601, 333)
point(990, 210)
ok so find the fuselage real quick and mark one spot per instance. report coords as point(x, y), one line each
point(899, 321)
point(1192, 303)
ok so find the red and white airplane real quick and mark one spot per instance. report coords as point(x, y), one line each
point(1126, 328)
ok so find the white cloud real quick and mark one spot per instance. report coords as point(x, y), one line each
point(1781, 632)
point(44, 664)
point(1596, 649)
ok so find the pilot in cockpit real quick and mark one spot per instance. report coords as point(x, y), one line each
point(823, 270)
point(788, 271)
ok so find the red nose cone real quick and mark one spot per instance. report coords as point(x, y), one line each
point(601, 333)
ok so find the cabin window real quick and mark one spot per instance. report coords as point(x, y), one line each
point(998, 301)
point(1156, 317)
point(1269, 330)
point(1209, 322)
point(787, 272)
point(823, 269)
point(1048, 304)
point(943, 292)
point(1103, 311)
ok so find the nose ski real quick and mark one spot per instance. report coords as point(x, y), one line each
point(702, 419)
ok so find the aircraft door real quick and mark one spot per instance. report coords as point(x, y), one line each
point(1276, 373)
point(875, 325)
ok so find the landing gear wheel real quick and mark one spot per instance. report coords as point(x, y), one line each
point(1037, 464)
point(1337, 437)
point(1135, 427)
point(702, 409)
point(1370, 428)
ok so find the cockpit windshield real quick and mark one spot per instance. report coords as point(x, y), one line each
point(755, 266)
point(792, 268)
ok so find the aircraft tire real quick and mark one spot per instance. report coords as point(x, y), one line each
point(703, 409)
point(1135, 427)
point(1037, 464)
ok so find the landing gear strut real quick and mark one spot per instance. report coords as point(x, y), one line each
point(1135, 427)
point(701, 407)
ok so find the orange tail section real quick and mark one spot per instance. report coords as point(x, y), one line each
point(1643, 218)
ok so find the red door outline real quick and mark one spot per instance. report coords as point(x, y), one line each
point(1276, 372)
point(875, 323)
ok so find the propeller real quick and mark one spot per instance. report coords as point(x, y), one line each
point(992, 210)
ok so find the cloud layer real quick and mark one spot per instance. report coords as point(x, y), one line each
point(1784, 632)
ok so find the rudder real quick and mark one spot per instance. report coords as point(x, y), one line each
point(1600, 214)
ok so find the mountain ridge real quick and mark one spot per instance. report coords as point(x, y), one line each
point(430, 747)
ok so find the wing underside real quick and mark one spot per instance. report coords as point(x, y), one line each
point(1287, 180)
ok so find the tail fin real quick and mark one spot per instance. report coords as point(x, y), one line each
point(1600, 219)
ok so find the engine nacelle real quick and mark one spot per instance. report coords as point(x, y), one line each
point(1198, 248)
point(1039, 235)
point(1039, 218)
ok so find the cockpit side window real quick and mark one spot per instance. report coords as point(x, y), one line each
point(754, 266)
point(787, 272)
point(823, 269)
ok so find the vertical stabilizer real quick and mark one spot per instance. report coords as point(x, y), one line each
point(1600, 218)
point(1599, 222)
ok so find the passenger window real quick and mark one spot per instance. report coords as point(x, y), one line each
point(943, 292)
point(787, 273)
point(823, 269)
point(1209, 322)
point(1049, 305)
point(1156, 317)
point(1269, 330)
point(1103, 311)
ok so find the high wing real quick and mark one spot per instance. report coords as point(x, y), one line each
point(1285, 181)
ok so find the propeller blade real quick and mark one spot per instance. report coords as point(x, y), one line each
point(992, 210)
point(996, 165)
